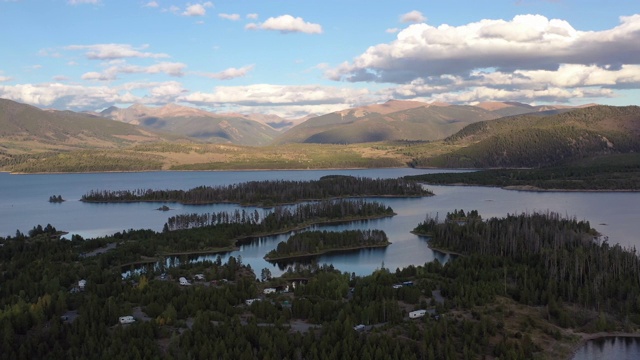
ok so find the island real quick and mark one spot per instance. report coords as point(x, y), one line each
point(56, 199)
point(315, 243)
point(269, 193)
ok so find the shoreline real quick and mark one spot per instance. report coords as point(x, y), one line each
point(586, 337)
point(324, 252)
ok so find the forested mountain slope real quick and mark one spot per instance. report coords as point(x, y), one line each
point(535, 141)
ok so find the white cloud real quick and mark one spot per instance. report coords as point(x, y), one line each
point(275, 95)
point(60, 78)
point(527, 42)
point(77, 97)
point(5, 78)
point(232, 17)
point(252, 16)
point(230, 73)
point(114, 51)
point(78, 2)
point(287, 24)
point(197, 9)
point(414, 16)
point(151, 4)
point(112, 72)
point(392, 30)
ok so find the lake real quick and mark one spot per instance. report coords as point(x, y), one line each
point(24, 204)
point(618, 348)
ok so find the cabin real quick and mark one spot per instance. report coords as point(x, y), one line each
point(269, 291)
point(81, 284)
point(359, 327)
point(417, 314)
point(250, 301)
point(397, 286)
point(184, 282)
point(126, 319)
point(199, 277)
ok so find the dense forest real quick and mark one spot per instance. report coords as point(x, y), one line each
point(269, 192)
point(618, 172)
point(284, 217)
point(311, 243)
point(547, 260)
point(522, 288)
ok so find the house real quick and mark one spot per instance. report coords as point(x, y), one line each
point(407, 283)
point(269, 291)
point(184, 282)
point(359, 327)
point(127, 319)
point(199, 277)
point(250, 301)
point(82, 283)
point(417, 314)
point(397, 286)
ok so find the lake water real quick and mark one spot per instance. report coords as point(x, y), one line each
point(24, 204)
point(618, 348)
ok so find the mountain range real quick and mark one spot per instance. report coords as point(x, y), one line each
point(393, 120)
point(491, 134)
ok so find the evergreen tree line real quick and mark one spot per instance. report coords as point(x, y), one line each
point(283, 217)
point(313, 242)
point(546, 258)
point(269, 192)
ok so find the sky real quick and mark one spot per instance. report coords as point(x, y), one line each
point(294, 58)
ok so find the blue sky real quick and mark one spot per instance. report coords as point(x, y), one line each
point(299, 57)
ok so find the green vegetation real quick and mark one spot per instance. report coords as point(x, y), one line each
point(536, 141)
point(269, 192)
point(525, 288)
point(613, 172)
point(314, 243)
point(85, 161)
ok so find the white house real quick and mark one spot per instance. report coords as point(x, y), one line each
point(359, 327)
point(82, 283)
point(199, 277)
point(250, 301)
point(417, 314)
point(269, 291)
point(184, 282)
point(127, 319)
point(397, 286)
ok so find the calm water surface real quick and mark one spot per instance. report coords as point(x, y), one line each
point(612, 348)
point(24, 203)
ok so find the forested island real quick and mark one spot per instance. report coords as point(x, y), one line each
point(269, 192)
point(526, 286)
point(314, 243)
point(56, 199)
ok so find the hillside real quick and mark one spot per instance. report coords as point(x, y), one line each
point(24, 128)
point(536, 141)
point(399, 120)
point(202, 125)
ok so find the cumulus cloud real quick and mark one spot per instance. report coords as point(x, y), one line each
point(275, 95)
point(114, 51)
point(111, 73)
point(197, 9)
point(392, 30)
point(527, 42)
point(232, 17)
point(230, 73)
point(414, 16)
point(287, 24)
point(151, 4)
point(78, 2)
point(79, 98)
point(5, 78)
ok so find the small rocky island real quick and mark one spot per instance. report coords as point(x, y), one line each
point(56, 199)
